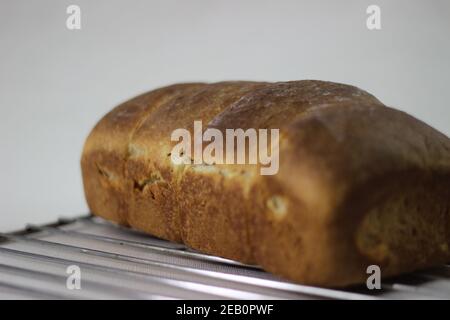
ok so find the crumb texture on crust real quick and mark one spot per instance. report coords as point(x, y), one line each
point(359, 183)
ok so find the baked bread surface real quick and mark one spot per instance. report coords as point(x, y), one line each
point(358, 184)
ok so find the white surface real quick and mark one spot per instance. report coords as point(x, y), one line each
point(55, 83)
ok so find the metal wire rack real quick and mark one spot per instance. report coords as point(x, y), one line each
point(119, 263)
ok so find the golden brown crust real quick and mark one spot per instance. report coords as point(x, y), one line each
point(359, 183)
point(107, 149)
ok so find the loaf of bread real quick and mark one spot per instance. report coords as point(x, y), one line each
point(358, 184)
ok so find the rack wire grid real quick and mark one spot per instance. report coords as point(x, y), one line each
point(119, 263)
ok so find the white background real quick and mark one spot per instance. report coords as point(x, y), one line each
point(55, 83)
